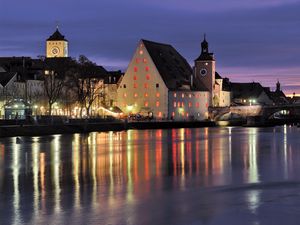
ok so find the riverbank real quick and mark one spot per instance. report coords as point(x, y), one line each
point(85, 127)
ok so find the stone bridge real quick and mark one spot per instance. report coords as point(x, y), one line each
point(265, 111)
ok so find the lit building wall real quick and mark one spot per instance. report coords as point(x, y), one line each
point(188, 105)
point(142, 88)
point(224, 97)
point(56, 49)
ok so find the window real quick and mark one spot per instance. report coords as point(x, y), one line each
point(174, 104)
point(135, 69)
point(190, 95)
point(148, 77)
point(182, 95)
point(125, 95)
point(146, 104)
point(157, 94)
point(157, 104)
point(197, 105)
point(124, 86)
point(197, 95)
point(146, 85)
point(134, 77)
point(141, 52)
point(137, 60)
point(135, 85)
point(175, 95)
point(182, 104)
point(173, 114)
point(157, 85)
point(147, 68)
point(146, 95)
point(190, 104)
point(135, 95)
point(145, 60)
point(178, 104)
point(187, 114)
point(159, 114)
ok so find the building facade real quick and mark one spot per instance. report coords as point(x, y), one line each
point(160, 82)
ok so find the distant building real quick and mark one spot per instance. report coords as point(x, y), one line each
point(57, 45)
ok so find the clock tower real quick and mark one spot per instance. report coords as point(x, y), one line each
point(205, 68)
point(56, 45)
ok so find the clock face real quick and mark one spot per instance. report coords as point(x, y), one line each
point(55, 50)
point(203, 72)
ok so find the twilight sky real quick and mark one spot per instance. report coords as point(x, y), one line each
point(253, 40)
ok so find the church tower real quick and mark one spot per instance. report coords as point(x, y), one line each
point(56, 45)
point(205, 68)
point(278, 89)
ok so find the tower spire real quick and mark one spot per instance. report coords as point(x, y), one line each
point(57, 24)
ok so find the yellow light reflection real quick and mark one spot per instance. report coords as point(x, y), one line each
point(35, 172)
point(76, 170)
point(15, 164)
point(55, 164)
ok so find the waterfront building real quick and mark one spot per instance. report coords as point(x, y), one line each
point(205, 73)
point(7, 88)
point(159, 82)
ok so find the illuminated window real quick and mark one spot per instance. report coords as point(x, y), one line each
point(190, 95)
point(134, 77)
point(157, 104)
point(135, 85)
point(159, 114)
point(174, 104)
point(147, 68)
point(146, 94)
point(157, 94)
point(124, 86)
point(145, 60)
point(146, 104)
point(148, 77)
point(190, 104)
point(135, 69)
point(125, 95)
point(175, 95)
point(182, 104)
point(141, 52)
point(145, 85)
point(178, 104)
point(135, 95)
point(187, 114)
point(157, 85)
point(197, 95)
point(182, 95)
point(197, 104)
point(173, 114)
point(137, 60)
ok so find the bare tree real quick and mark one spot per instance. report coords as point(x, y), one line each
point(53, 88)
point(88, 81)
point(56, 70)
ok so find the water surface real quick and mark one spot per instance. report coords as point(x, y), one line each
point(179, 176)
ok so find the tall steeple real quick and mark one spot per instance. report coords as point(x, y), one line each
point(205, 54)
point(204, 46)
point(278, 89)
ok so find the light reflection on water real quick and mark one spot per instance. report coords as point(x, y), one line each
point(179, 176)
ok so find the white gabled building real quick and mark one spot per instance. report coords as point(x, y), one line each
point(160, 82)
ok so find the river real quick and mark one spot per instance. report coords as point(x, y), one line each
point(224, 175)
